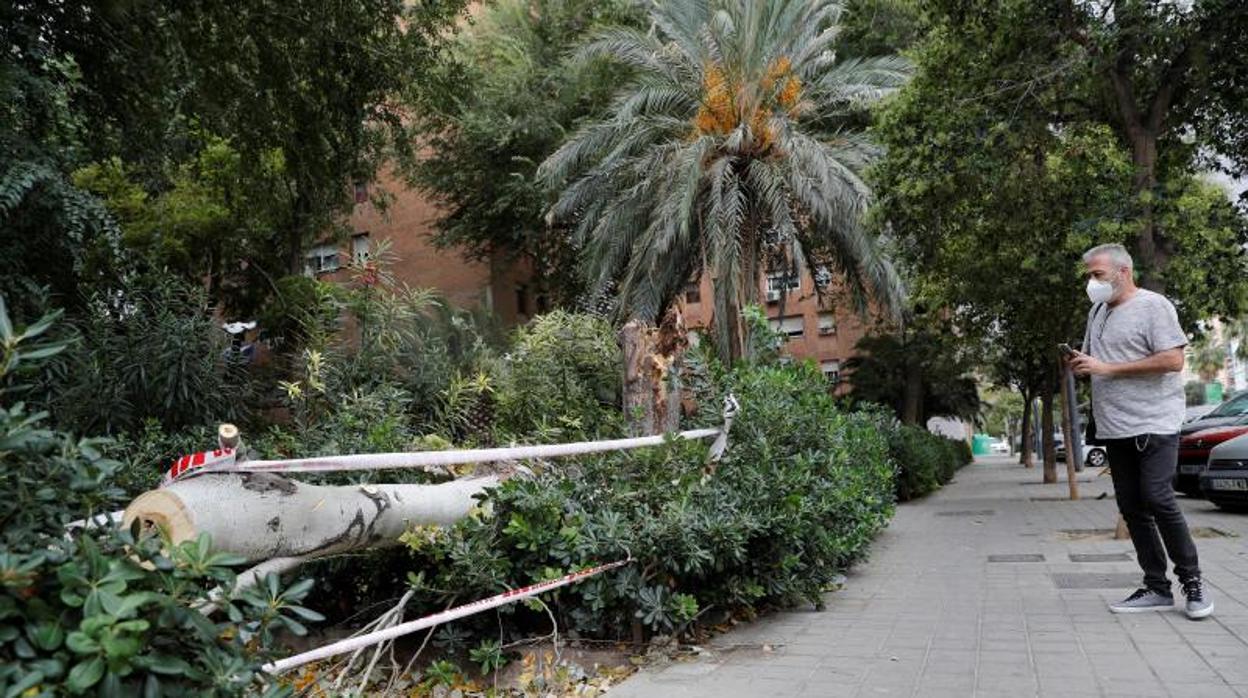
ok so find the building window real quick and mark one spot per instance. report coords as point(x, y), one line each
point(361, 191)
point(779, 283)
point(831, 370)
point(360, 247)
point(321, 259)
point(693, 292)
point(792, 326)
point(522, 299)
point(827, 324)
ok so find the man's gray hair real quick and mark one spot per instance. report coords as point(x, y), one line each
point(1116, 253)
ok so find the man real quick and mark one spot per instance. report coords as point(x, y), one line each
point(1133, 351)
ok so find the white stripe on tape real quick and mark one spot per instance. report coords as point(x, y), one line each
point(373, 638)
point(425, 459)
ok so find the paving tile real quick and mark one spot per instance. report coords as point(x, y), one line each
point(927, 615)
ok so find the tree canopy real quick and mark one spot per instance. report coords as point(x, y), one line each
point(728, 149)
point(487, 117)
point(303, 95)
point(996, 179)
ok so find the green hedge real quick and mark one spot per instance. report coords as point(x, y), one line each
point(925, 461)
point(99, 612)
point(803, 489)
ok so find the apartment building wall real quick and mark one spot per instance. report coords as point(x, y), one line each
point(825, 331)
point(407, 221)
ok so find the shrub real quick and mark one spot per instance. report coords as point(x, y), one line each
point(145, 454)
point(563, 374)
point(148, 350)
point(925, 461)
point(797, 498)
point(375, 340)
point(99, 610)
point(300, 310)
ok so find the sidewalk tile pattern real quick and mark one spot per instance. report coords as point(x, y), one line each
point(928, 615)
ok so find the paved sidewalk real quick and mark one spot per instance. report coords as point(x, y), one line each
point(935, 613)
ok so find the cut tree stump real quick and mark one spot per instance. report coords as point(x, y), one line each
point(652, 362)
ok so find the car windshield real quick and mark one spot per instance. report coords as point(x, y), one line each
point(1232, 408)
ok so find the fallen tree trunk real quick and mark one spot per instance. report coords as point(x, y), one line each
point(260, 516)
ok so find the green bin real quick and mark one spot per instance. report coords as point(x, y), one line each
point(981, 445)
point(1213, 393)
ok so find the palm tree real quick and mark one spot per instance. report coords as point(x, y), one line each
point(1208, 358)
point(731, 147)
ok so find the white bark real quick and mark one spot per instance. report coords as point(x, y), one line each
point(261, 516)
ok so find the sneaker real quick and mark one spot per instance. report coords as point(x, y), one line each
point(1143, 600)
point(1199, 605)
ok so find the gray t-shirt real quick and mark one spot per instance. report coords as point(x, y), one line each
point(1126, 406)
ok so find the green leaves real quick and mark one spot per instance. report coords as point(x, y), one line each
point(85, 675)
point(753, 116)
point(273, 607)
point(506, 102)
point(488, 655)
point(16, 345)
point(802, 489)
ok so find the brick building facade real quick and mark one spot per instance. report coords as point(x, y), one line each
point(407, 222)
point(824, 331)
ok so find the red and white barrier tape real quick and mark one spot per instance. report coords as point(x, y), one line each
point(354, 643)
point(226, 459)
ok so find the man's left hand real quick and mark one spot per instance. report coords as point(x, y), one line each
point(1084, 365)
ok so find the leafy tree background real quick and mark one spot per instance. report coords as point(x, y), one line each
point(286, 103)
point(503, 102)
point(998, 175)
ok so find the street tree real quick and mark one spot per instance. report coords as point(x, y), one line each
point(1158, 70)
point(997, 177)
point(315, 84)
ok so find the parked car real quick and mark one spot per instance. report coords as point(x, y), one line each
point(1196, 412)
point(1194, 449)
point(1001, 446)
point(1093, 456)
point(1222, 415)
point(1225, 480)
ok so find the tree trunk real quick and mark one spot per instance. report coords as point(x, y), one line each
point(729, 331)
point(1068, 432)
point(1151, 255)
point(912, 407)
point(295, 235)
point(260, 516)
point(1028, 433)
point(652, 359)
point(1046, 435)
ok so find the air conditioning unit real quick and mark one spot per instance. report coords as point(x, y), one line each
point(773, 295)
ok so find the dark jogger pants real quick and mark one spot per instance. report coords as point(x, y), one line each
point(1143, 471)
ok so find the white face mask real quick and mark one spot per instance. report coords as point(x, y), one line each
point(1100, 291)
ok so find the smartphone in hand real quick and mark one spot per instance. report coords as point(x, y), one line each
point(1067, 351)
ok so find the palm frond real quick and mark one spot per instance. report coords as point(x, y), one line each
point(723, 149)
